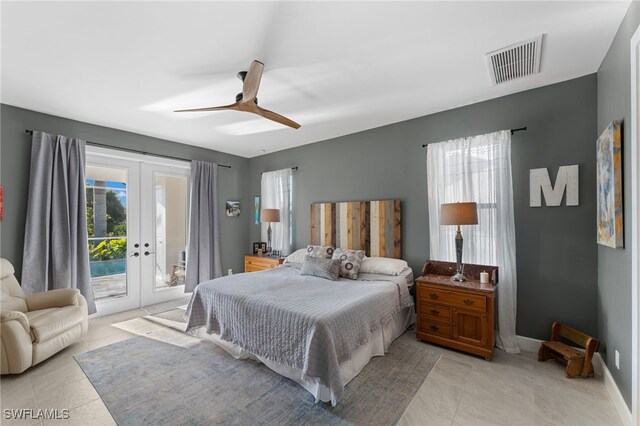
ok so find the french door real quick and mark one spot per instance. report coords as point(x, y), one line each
point(165, 218)
point(137, 220)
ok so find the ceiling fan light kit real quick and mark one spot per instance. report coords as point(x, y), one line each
point(247, 101)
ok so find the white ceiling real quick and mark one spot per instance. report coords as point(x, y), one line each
point(336, 68)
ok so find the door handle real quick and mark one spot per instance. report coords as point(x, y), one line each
point(136, 254)
point(147, 253)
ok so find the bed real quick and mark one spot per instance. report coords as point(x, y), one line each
point(318, 332)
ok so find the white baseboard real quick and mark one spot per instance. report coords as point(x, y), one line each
point(528, 344)
point(614, 392)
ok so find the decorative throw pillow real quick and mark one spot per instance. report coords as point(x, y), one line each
point(350, 262)
point(323, 252)
point(319, 267)
point(382, 265)
point(297, 256)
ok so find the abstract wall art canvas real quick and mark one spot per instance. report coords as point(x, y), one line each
point(256, 210)
point(609, 186)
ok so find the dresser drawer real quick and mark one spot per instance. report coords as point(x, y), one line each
point(434, 312)
point(257, 263)
point(435, 328)
point(254, 268)
point(463, 300)
point(261, 263)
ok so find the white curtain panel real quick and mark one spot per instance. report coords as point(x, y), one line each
point(478, 169)
point(275, 194)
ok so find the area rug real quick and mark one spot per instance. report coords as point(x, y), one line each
point(148, 381)
point(166, 306)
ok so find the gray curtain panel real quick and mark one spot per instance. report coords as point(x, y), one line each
point(203, 248)
point(56, 251)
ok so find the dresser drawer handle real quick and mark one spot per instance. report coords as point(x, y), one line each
point(434, 328)
point(468, 302)
point(435, 312)
point(434, 295)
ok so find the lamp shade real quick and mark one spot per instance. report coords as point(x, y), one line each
point(270, 215)
point(459, 214)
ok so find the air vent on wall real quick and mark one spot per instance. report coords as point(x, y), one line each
point(515, 61)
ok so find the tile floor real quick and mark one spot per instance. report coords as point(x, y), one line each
point(461, 389)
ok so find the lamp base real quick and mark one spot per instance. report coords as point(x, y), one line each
point(458, 277)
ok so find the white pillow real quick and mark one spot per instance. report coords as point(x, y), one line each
point(297, 256)
point(382, 265)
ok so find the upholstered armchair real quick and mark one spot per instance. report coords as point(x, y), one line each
point(34, 327)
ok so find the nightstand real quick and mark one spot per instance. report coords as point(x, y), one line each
point(459, 315)
point(253, 263)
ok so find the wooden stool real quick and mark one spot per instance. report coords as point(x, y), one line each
point(578, 362)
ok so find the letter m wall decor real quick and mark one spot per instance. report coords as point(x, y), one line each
point(566, 181)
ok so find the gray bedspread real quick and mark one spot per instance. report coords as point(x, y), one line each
point(309, 323)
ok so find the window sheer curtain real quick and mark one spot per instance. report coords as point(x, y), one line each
point(276, 194)
point(478, 169)
point(203, 247)
point(56, 249)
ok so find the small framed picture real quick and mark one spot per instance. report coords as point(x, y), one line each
point(259, 245)
point(233, 208)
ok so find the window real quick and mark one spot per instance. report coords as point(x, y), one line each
point(477, 169)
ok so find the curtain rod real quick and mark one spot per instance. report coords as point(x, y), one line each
point(135, 151)
point(293, 168)
point(519, 129)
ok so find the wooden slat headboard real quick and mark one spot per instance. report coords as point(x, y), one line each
point(372, 226)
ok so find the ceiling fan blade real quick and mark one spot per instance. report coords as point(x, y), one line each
point(252, 82)
point(277, 118)
point(215, 108)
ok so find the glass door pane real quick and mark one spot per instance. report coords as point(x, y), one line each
point(106, 192)
point(171, 195)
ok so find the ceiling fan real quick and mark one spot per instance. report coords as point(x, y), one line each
point(247, 100)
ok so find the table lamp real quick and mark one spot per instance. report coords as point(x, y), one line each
point(269, 215)
point(459, 214)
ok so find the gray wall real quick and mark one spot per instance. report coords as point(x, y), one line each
point(614, 265)
point(556, 249)
point(15, 150)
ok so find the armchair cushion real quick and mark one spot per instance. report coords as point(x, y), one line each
point(53, 299)
point(18, 316)
point(48, 323)
point(11, 295)
point(16, 352)
point(6, 268)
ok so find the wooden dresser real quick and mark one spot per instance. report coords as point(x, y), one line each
point(459, 315)
point(253, 263)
